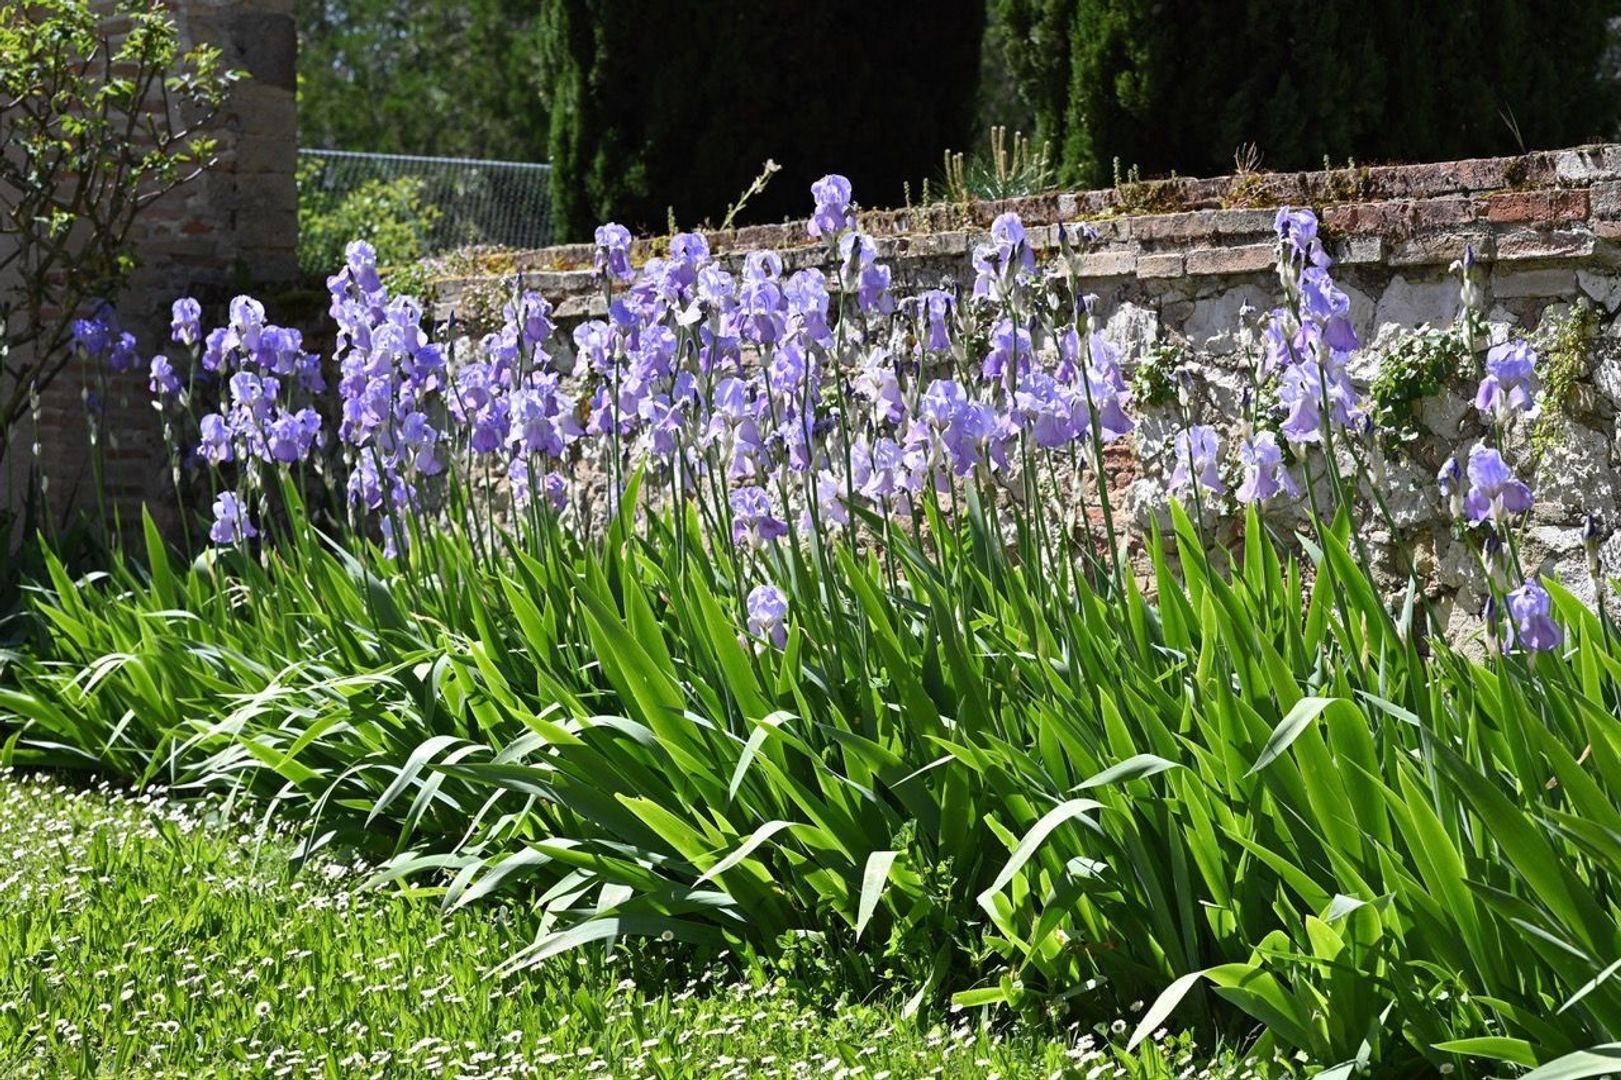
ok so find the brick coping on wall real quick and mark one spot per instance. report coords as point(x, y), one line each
point(1549, 205)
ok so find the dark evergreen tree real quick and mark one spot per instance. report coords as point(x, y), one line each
point(1178, 86)
point(660, 107)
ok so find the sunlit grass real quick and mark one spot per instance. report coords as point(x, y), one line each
point(141, 936)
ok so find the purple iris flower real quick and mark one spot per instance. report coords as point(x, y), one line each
point(94, 337)
point(1324, 302)
point(832, 495)
point(360, 260)
point(518, 482)
point(593, 341)
point(1339, 335)
point(555, 489)
point(1532, 628)
point(731, 401)
point(185, 323)
point(879, 384)
point(888, 472)
point(1278, 338)
point(123, 356)
point(786, 373)
point(752, 522)
point(1494, 493)
point(937, 305)
point(832, 214)
point(231, 522)
point(491, 426)
point(1451, 482)
point(999, 264)
point(365, 485)
point(246, 324)
point(1010, 349)
point(216, 350)
point(417, 439)
point(162, 379)
point(1109, 390)
point(768, 613)
point(765, 265)
point(291, 435)
point(1054, 414)
point(689, 248)
point(1196, 460)
point(216, 439)
point(1510, 385)
point(532, 315)
point(394, 540)
point(1297, 233)
point(1300, 392)
point(717, 290)
point(1303, 388)
point(542, 422)
point(253, 392)
point(1264, 471)
point(613, 251)
point(664, 424)
point(872, 289)
point(279, 350)
point(943, 399)
point(966, 436)
point(861, 273)
point(762, 311)
point(1011, 242)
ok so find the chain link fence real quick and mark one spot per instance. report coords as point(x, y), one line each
point(506, 203)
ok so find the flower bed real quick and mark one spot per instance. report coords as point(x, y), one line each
point(805, 617)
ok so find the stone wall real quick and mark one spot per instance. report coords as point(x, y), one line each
point(1177, 260)
point(233, 229)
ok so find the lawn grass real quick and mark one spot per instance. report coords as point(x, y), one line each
point(141, 936)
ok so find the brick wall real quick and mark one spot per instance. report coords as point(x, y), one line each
point(1560, 208)
point(234, 228)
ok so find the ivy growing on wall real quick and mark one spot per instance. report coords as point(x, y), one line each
point(1414, 369)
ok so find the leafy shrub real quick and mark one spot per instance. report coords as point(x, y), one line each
point(391, 215)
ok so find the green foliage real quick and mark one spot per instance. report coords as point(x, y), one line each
point(1415, 368)
point(672, 106)
point(1564, 350)
point(391, 215)
point(149, 937)
point(1153, 383)
point(1254, 801)
point(95, 127)
point(447, 80)
point(1130, 79)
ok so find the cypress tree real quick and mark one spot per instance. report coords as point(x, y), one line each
point(1171, 86)
point(676, 105)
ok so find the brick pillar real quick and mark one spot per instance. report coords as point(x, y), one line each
point(234, 229)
